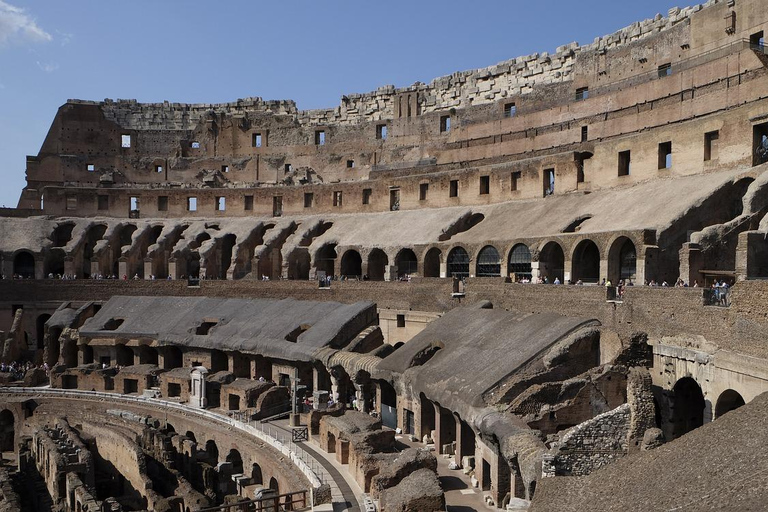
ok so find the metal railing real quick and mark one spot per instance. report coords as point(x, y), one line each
point(295, 501)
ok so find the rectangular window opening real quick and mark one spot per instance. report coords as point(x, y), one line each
point(485, 185)
point(91, 167)
point(221, 204)
point(288, 168)
point(337, 198)
point(191, 204)
point(257, 140)
point(760, 144)
point(582, 93)
point(445, 124)
point(510, 109)
point(125, 141)
point(710, 145)
point(757, 41)
point(277, 206)
point(665, 155)
point(381, 131)
point(224, 168)
point(195, 145)
point(401, 320)
point(103, 202)
point(516, 175)
point(248, 203)
point(584, 133)
point(309, 199)
point(549, 182)
point(162, 203)
point(665, 70)
point(71, 203)
point(454, 188)
point(350, 164)
point(320, 138)
point(625, 163)
point(423, 190)
point(158, 168)
point(367, 192)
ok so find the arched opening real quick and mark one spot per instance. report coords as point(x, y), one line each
point(586, 262)
point(552, 262)
point(54, 262)
point(622, 260)
point(407, 263)
point(6, 431)
point(727, 402)
point(24, 265)
point(298, 267)
point(488, 262)
point(427, 416)
point(458, 262)
point(62, 234)
point(95, 233)
point(40, 330)
point(193, 265)
point(190, 435)
point(377, 261)
point(388, 404)
point(351, 264)
point(212, 452)
point(227, 244)
point(519, 262)
point(325, 259)
point(274, 485)
point(236, 460)
point(688, 411)
point(432, 262)
point(256, 474)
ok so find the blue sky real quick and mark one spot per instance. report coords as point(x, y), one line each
point(312, 52)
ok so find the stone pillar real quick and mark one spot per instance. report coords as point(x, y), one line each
point(390, 273)
point(276, 267)
point(535, 271)
point(147, 268)
point(361, 399)
point(604, 273)
point(459, 445)
point(95, 268)
point(690, 264)
point(443, 269)
point(437, 438)
point(69, 267)
point(197, 394)
point(122, 268)
point(7, 266)
point(334, 388)
point(39, 269)
point(567, 272)
point(172, 269)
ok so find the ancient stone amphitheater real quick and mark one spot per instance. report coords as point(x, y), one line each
point(540, 285)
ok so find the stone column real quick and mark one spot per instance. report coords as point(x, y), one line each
point(69, 267)
point(39, 269)
point(443, 270)
point(147, 268)
point(437, 438)
point(197, 394)
point(459, 445)
point(122, 268)
point(690, 264)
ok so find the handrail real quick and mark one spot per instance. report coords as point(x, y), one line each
point(264, 504)
point(307, 464)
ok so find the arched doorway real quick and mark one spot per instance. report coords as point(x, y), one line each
point(256, 474)
point(552, 262)
point(458, 262)
point(727, 402)
point(299, 264)
point(54, 262)
point(488, 262)
point(325, 259)
point(406, 262)
point(236, 460)
point(227, 246)
point(519, 262)
point(274, 485)
point(586, 262)
point(24, 265)
point(432, 262)
point(377, 261)
point(622, 260)
point(212, 452)
point(7, 431)
point(688, 412)
point(351, 264)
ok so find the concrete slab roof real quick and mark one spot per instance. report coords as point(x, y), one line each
point(283, 329)
point(479, 348)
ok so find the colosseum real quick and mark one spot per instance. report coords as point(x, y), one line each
point(538, 286)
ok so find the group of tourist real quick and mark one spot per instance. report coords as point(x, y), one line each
point(19, 369)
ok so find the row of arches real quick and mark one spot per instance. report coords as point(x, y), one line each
point(688, 406)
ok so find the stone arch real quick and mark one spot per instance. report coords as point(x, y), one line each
point(488, 262)
point(406, 262)
point(257, 477)
point(24, 264)
point(432, 260)
point(622, 260)
point(552, 261)
point(40, 330)
point(234, 458)
point(586, 262)
point(351, 264)
point(688, 411)
point(92, 237)
point(212, 451)
point(458, 262)
point(377, 263)
point(728, 401)
point(299, 264)
point(7, 431)
point(519, 262)
point(54, 262)
point(325, 259)
point(274, 485)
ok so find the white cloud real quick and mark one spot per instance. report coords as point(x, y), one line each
point(16, 24)
point(64, 37)
point(48, 67)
